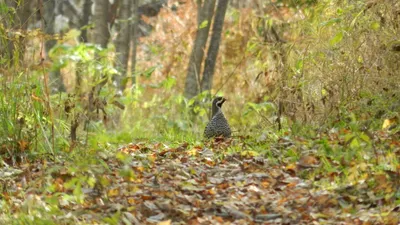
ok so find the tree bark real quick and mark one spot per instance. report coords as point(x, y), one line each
point(84, 21)
point(100, 19)
point(123, 44)
point(101, 35)
point(56, 81)
point(19, 20)
point(196, 58)
point(134, 38)
point(209, 67)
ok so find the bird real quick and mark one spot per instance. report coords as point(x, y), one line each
point(218, 125)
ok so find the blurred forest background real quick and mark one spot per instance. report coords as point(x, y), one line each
point(82, 76)
point(78, 64)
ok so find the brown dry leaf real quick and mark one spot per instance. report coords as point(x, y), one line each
point(382, 182)
point(265, 184)
point(164, 152)
point(210, 192)
point(194, 221)
point(325, 200)
point(291, 185)
point(139, 169)
point(152, 158)
point(23, 145)
point(282, 201)
point(223, 185)
point(36, 98)
point(133, 147)
point(131, 201)
point(167, 222)
point(184, 159)
point(292, 168)
point(183, 147)
point(219, 219)
point(308, 161)
point(209, 162)
point(147, 197)
point(59, 184)
point(113, 192)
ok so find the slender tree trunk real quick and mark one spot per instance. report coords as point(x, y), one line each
point(113, 11)
point(84, 21)
point(17, 20)
point(212, 53)
point(205, 15)
point(100, 19)
point(199, 10)
point(134, 38)
point(122, 44)
point(101, 35)
point(56, 81)
point(49, 16)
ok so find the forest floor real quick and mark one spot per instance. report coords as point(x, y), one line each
point(152, 183)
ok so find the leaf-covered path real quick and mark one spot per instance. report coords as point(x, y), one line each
point(157, 184)
point(202, 190)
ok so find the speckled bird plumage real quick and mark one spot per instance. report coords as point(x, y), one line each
point(218, 125)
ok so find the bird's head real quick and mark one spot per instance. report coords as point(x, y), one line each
point(216, 105)
point(218, 101)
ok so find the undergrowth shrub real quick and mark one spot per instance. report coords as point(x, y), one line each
point(27, 125)
point(328, 61)
point(342, 62)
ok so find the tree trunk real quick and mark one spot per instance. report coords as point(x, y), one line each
point(100, 19)
point(200, 8)
point(56, 81)
point(101, 35)
point(134, 38)
point(49, 16)
point(13, 21)
point(205, 15)
point(212, 53)
point(84, 21)
point(122, 44)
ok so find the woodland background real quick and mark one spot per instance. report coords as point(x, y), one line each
point(98, 97)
